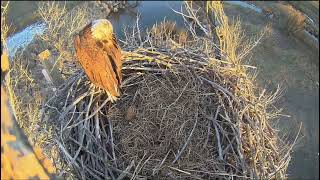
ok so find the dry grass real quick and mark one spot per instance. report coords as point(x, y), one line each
point(183, 114)
point(166, 31)
point(27, 87)
point(290, 19)
point(24, 93)
point(183, 37)
point(28, 90)
point(4, 33)
point(61, 26)
point(4, 23)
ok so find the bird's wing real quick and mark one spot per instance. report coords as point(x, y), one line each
point(113, 51)
point(97, 65)
point(83, 58)
point(107, 74)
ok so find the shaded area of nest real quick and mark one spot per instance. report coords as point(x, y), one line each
point(177, 117)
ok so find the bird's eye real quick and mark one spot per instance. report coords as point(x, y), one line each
point(99, 44)
point(104, 41)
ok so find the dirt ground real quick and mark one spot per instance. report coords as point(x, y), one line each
point(285, 60)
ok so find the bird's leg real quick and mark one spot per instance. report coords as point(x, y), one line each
point(91, 86)
point(111, 97)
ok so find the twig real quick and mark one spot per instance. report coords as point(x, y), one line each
point(111, 142)
point(138, 29)
point(287, 154)
point(185, 172)
point(89, 117)
point(123, 174)
point(97, 128)
point(189, 137)
point(159, 166)
point(217, 132)
point(72, 105)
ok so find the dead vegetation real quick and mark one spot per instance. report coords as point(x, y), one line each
point(290, 19)
point(61, 26)
point(167, 30)
point(4, 23)
point(183, 114)
point(27, 88)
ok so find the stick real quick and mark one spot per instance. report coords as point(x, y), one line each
point(189, 137)
point(97, 128)
point(123, 174)
point(111, 142)
point(217, 133)
point(89, 117)
point(72, 105)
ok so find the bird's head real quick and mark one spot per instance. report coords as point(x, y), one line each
point(101, 29)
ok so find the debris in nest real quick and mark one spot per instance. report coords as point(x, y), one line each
point(183, 114)
point(179, 116)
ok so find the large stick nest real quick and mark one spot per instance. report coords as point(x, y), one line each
point(180, 115)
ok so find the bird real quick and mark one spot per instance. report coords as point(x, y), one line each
point(100, 56)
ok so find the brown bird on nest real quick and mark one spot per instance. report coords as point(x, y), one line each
point(100, 56)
